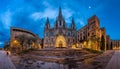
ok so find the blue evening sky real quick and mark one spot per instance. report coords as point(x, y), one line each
point(32, 14)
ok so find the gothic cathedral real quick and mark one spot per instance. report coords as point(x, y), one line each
point(60, 36)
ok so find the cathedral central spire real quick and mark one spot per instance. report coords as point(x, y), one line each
point(60, 22)
point(60, 13)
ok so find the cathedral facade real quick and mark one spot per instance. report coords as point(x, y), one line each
point(60, 36)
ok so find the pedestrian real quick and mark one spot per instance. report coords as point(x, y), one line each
point(7, 53)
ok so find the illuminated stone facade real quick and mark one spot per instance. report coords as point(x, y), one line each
point(115, 44)
point(15, 32)
point(112, 44)
point(90, 35)
point(92, 29)
point(59, 36)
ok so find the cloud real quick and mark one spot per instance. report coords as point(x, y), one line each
point(1, 44)
point(45, 3)
point(6, 18)
point(82, 23)
point(50, 13)
point(68, 14)
point(36, 15)
point(79, 23)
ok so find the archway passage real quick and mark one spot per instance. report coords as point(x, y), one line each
point(60, 42)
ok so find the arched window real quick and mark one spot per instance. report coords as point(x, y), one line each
point(51, 33)
point(73, 34)
point(68, 33)
point(46, 34)
point(60, 23)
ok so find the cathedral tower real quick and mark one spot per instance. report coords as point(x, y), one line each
point(60, 22)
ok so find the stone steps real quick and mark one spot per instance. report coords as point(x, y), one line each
point(59, 53)
point(60, 56)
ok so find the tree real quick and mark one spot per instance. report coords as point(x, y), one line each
point(22, 39)
point(31, 40)
point(102, 43)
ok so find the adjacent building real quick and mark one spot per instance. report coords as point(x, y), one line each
point(115, 44)
point(90, 35)
point(112, 44)
point(16, 32)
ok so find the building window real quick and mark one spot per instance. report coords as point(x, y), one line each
point(68, 39)
point(73, 34)
point(51, 39)
point(81, 38)
point(46, 34)
point(84, 32)
point(51, 33)
point(93, 22)
point(60, 23)
point(88, 34)
point(16, 36)
point(47, 41)
point(81, 34)
point(73, 40)
point(84, 37)
point(68, 33)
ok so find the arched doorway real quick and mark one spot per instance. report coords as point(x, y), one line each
point(60, 42)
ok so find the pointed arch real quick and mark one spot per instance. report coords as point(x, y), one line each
point(60, 42)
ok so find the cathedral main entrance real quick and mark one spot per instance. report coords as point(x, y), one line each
point(60, 42)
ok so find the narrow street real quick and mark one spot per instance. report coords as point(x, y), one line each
point(114, 63)
point(5, 62)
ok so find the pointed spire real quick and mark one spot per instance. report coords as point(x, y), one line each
point(73, 21)
point(47, 23)
point(73, 24)
point(60, 12)
point(60, 22)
